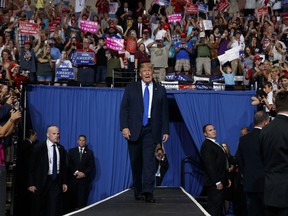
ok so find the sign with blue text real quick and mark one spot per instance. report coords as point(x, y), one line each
point(64, 73)
point(83, 58)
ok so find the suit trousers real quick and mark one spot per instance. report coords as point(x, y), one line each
point(47, 203)
point(255, 204)
point(79, 192)
point(215, 201)
point(142, 159)
point(274, 211)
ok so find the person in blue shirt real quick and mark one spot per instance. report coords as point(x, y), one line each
point(183, 49)
point(228, 75)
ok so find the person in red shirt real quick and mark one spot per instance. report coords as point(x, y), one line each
point(16, 77)
point(102, 6)
point(178, 6)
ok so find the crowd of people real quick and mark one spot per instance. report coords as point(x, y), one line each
point(159, 47)
point(185, 46)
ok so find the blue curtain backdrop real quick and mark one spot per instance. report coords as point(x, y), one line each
point(95, 113)
point(228, 111)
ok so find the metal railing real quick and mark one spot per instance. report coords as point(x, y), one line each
point(122, 77)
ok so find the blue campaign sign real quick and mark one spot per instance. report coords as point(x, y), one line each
point(163, 2)
point(64, 73)
point(83, 58)
point(202, 7)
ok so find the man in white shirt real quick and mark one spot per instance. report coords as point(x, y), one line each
point(47, 174)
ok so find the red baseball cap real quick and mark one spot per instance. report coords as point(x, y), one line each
point(183, 35)
point(166, 26)
point(145, 31)
point(257, 58)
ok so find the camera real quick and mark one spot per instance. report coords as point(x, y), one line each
point(158, 154)
point(73, 44)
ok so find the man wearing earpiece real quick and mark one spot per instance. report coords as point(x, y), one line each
point(47, 175)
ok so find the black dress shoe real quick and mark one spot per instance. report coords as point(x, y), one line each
point(139, 197)
point(149, 198)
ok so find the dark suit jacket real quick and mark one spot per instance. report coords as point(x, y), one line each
point(164, 164)
point(39, 167)
point(24, 152)
point(214, 161)
point(86, 165)
point(274, 154)
point(250, 164)
point(132, 108)
point(135, 27)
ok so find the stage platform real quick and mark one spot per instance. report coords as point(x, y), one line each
point(169, 202)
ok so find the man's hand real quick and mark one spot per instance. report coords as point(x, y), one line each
point(126, 133)
point(15, 115)
point(229, 183)
point(10, 100)
point(64, 188)
point(32, 189)
point(165, 137)
point(80, 175)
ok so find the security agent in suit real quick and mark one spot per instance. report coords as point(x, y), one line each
point(81, 166)
point(46, 189)
point(142, 139)
point(23, 196)
point(251, 166)
point(215, 165)
point(274, 154)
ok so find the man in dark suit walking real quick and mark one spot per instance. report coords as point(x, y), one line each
point(23, 196)
point(47, 175)
point(216, 168)
point(144, 122)
point(81, 165)
point(251, 166)
point(274, 154)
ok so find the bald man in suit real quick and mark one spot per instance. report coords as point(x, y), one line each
point(45, 182)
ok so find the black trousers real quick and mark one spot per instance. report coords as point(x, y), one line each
point(274, 211)
point(215, 201)
point(255, 204)
point(49, 202)
point(142, 159)
point(78, 193)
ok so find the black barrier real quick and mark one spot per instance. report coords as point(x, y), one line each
point(122, 77)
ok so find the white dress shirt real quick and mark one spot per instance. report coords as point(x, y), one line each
point(50, 156)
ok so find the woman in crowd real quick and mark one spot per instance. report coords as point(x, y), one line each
point(114, 62)
point(256, 45)
point(45, 65)
point(63, 62)
point(6, 64)
point(141, 56)
point(131, 45)
point(214, 45)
